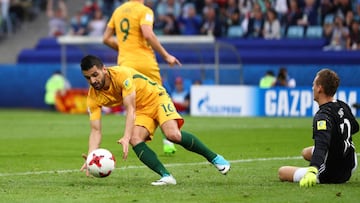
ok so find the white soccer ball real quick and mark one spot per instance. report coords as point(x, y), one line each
point(100, 163)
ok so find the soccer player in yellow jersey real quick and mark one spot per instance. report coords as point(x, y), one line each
point(132, 23)
point(147, 106)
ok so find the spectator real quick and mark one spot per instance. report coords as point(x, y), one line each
point(272, 25)
point(342, 7)
point(246, 7)
point(339, 35)
point(283, 79)
point(199, 5)
point(268, 80)
point(281, 7)
point(232, 14)
point(189, 22)
point(265, 5)
point(164, 10)
point(327, 8)
point(357, 10)
point(211, 24)
point(78, 24)
point(57, 15)
point(293, 16)
point(180, 96)
point(232, 6)
point(5, 14)
point(353, 40)
point(310, 14)
point(290, 80)
point(349, 17)
point(255, 23)
point(170, 25)
point(90, 7)
point(328, 27)
point(210, 4)
point(97, 24)
point(56, 84)
point(235, 18)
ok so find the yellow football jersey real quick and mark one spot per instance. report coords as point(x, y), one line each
point(134, 51)
point(124, 81)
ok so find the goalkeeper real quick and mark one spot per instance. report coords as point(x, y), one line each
point(332, 158)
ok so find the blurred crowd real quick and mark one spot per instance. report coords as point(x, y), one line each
point(338, 20)
point(15, 12)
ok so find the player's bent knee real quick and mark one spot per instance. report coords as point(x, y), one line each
point(174, 136)
point(307, 153)
point(134, 140)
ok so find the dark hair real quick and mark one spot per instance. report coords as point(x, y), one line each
point(329, 80)
point(273, 11)
point(90, 61)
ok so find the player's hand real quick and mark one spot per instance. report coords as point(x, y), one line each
point(171, 60)
point(125, 145)
point(84, 166)
point(309, 178)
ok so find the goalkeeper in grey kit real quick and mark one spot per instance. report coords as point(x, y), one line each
point(332, 158)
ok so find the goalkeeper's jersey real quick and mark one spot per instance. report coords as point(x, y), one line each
point(334, 152)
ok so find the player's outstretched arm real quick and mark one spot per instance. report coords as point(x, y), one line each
point(94, 140)
point(129, 103)
point(151, 38)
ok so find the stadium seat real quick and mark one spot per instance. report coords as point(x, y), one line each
point(329, 19)
point(314, 32)
point(235, 31)
point(295, 31)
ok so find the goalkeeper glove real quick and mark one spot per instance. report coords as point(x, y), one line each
point(309, 178)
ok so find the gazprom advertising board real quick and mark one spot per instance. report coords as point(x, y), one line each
point(254, 101)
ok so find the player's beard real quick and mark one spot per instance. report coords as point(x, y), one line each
point(98, 85)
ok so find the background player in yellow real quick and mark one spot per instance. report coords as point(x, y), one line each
point(147, 106)
point(135, 41)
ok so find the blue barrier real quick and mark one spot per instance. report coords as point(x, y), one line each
point(284, 51)
point(23, 84)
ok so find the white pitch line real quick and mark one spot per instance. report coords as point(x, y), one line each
point(140, 167)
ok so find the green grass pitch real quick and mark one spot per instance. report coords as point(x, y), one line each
point(40, 158)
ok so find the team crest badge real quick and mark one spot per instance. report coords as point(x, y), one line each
point(321, 125)
point(127, 84)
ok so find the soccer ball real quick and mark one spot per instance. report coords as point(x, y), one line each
point(100, 163)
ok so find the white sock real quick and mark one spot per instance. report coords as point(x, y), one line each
point(167, 142)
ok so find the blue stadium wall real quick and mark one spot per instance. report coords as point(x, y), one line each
point(22, 85)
